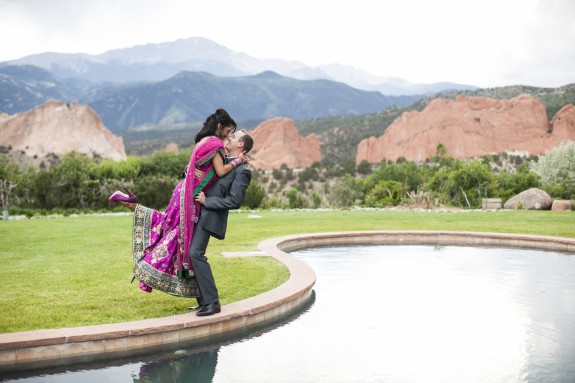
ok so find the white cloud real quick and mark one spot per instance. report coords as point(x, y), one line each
point(487, 43)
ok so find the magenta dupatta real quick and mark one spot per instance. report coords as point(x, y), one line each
point(201, 158)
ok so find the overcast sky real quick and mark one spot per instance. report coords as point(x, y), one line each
point(485, 43)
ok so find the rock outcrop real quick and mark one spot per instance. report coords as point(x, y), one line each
point(276, 142)
point(58, 128)
point(172, 147)
point(471, 127)
point(563, 204)
point(563, 124)
point(530, 199)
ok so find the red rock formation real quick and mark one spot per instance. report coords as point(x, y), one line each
point(277, 142)
point(563, 124)
point(471, 127)
point(58, 127)
point(172, 147)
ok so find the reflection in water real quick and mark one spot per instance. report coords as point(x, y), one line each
point(192, 364)
point(194, 368)
point(394, 314)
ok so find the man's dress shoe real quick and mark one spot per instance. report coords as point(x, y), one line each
point(209, 309)
point(198, 306)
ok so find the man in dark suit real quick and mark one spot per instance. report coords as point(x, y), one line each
point(225, 194)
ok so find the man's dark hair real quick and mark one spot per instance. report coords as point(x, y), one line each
point(248, 142)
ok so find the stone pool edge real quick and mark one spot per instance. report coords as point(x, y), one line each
point(19, 349)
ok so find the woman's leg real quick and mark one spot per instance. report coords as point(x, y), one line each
point(129, 205)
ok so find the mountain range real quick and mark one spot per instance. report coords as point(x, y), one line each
point(182, 82)
point(158, 62)
point(188, 97)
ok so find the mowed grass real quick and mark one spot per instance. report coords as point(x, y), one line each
point(76, 271)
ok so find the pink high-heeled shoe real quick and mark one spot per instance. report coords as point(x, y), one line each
point(118, 196)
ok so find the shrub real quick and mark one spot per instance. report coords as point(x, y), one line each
point(557, 167)
point(255, 195)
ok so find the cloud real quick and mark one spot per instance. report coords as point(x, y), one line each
point(487, 43)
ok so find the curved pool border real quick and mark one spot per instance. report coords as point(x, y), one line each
point(18, 350)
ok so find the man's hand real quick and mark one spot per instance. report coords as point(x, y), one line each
point(200, 198)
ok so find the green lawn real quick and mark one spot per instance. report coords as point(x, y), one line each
point(76, 271)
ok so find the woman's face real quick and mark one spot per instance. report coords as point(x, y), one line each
point(225, 132)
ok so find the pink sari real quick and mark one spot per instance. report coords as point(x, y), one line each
point(161, 241)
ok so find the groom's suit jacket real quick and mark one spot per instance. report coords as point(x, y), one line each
point(224, 194)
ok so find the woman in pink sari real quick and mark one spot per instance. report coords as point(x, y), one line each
point(160, 241)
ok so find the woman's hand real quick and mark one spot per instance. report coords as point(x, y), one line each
point(244, 158)
point(198, 174)
point(200, 198)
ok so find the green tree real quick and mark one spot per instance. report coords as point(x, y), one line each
point(277, 174)
point(164, 163)
point(296, 200)
point(255, 195)
point(556, 168)
point(127, 169)
point(465, 184)
point(364, 167)
point(72, 186)
point(316, 200)
point(155, 190)
point(308, 174)
point(345, 192)
point(385, 193)
point(507, 184)
point(9, 179)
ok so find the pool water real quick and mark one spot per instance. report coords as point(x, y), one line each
point(391, 314)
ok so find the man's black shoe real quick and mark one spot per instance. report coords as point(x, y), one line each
point(209, 309)
point(198, 306)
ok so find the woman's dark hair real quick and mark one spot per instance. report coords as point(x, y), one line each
point(210, 127)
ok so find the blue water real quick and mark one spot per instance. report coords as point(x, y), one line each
point(390, 314)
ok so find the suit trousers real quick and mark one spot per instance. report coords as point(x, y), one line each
point(201, 267)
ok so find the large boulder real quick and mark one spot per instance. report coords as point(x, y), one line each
point(563, 204)
point(531, 199)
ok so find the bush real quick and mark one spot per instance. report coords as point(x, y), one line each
point(296, 200)
point(155, 191)
point(385, 193)
point(345, 192)
point(557, 167)
point(255, 195)
point(364, 167)
point(316, 200)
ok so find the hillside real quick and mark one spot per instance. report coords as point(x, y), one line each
point(340, 135)
point(191, 96)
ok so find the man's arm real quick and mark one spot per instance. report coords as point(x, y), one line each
point(235, 197)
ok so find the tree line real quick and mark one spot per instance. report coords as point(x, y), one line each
point(78, 183)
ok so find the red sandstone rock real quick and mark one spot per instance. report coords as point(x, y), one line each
point(471, 127)
point(563, 124)
point(58, 127)
point(276, 142)
point(172, 148)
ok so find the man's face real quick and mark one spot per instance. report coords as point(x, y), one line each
point(233, 141)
